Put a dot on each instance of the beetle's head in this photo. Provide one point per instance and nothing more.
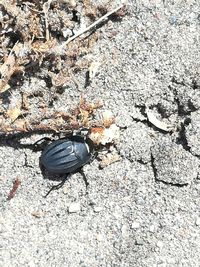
(82, 132)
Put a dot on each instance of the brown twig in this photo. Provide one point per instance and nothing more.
(13, 191)
(46, 7)
(91, 26)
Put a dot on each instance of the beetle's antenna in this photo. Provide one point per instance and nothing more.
(40, 142)
(83, 132)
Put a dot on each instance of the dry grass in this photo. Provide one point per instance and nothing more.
(38, 33)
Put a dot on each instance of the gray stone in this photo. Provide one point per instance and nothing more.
(74, 207)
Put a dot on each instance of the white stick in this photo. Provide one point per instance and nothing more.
(92, 25)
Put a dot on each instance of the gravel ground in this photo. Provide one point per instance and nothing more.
(144, 209)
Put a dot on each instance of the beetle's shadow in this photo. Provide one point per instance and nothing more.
(59, 178)
(52, 176)
(14, 141)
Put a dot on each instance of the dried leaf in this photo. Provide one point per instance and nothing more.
(9, 67)
(59, 79)
(6, 71)
(108, 118)
(11, 8)
(14, 113)
(4, 86)
(104, 135)
(90, 107)
(72, 3)
(157, 123)
(41, 47)
(19, 126)
(13, 191)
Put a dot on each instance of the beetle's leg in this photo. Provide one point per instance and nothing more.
(94, 155)
(39, 143)
(84, 178)
(55, 187)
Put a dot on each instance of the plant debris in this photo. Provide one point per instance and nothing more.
(14, 113)
(106, 131)
(157, 123)
(80, 117)
(13, 191)
(42, 39)
(9, 67)
(37, 214)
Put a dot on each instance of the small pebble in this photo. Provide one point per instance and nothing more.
(139, 242)
(97, 209)
(197, 221)
(152, 228)
(160, 244)
(173, 19)
(67, 33)
(124, 230)
(140, 201)
(74, 207)
(155, 210)
(135, 225)
(99, 237)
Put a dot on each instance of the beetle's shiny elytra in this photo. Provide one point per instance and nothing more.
(67, 155)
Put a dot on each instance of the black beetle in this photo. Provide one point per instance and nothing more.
(68, 155)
